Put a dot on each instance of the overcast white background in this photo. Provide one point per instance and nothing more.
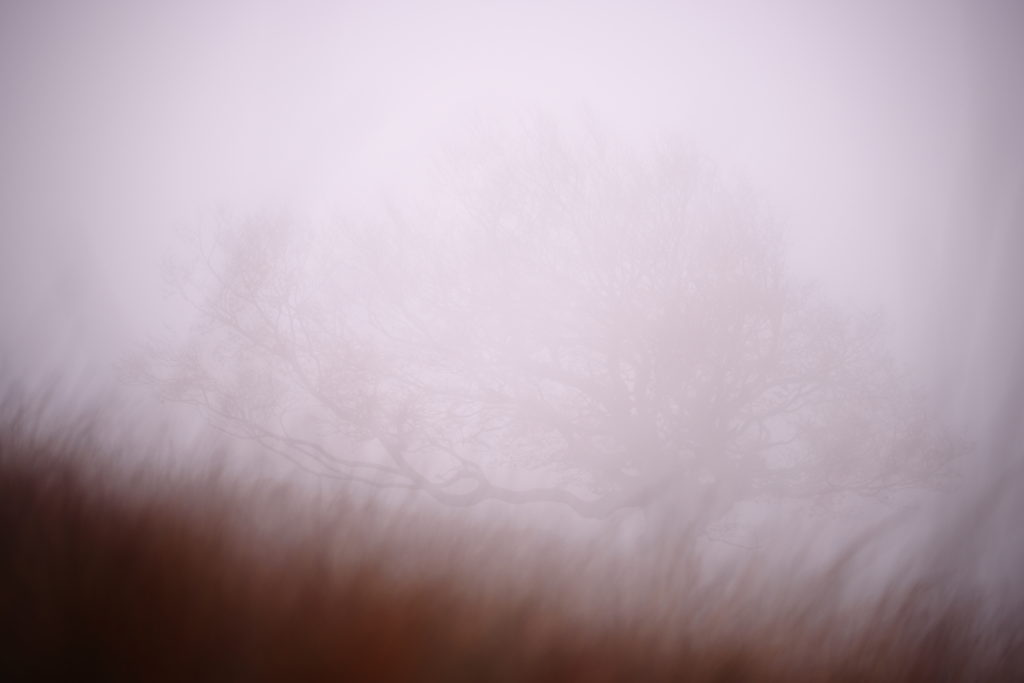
(881, 133)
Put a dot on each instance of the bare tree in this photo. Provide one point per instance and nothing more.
(620, 329)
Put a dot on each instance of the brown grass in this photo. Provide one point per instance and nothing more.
(119, 573)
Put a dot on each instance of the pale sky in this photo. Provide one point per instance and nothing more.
(857, 122)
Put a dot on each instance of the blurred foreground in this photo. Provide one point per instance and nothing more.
(144, 572)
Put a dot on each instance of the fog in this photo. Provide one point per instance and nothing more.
(882, 137)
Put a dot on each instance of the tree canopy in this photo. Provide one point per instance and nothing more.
(564, 322)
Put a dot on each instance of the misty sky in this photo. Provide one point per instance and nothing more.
(867, 127)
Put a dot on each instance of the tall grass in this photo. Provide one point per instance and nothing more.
(114, 570)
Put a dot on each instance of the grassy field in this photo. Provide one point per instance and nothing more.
(145, 572)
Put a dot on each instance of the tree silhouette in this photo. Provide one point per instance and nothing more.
(564, 323)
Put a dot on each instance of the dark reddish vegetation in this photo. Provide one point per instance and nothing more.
(107, 576)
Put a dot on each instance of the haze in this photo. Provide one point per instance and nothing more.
(884, 136)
